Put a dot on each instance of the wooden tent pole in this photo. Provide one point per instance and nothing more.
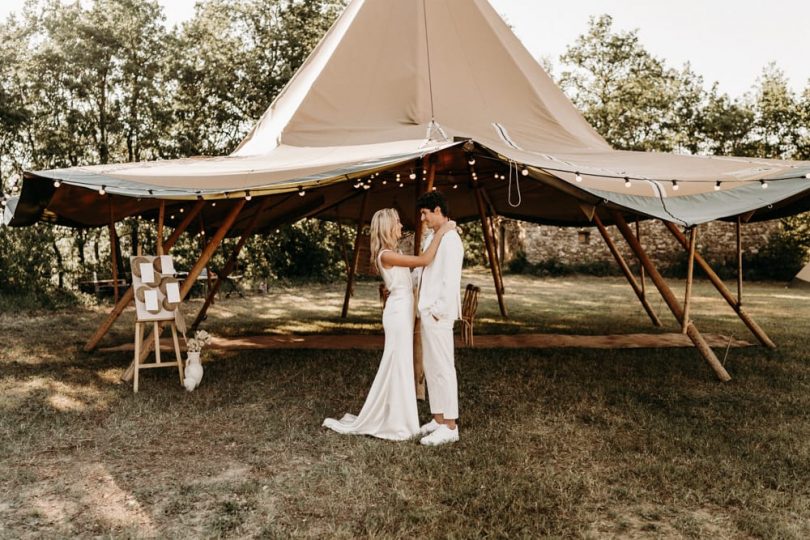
(126, 298)
(355, 257)
(723, 290)
(488, 243)
(672, 302)
(161, 219)
(739, 262)
(231, 263)
(193, 274)
(418, 360)
(690, 273)
(625, 268)
(113, 250)
(642, 278)
(202, 244)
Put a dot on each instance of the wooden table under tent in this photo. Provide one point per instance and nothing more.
(450, 101)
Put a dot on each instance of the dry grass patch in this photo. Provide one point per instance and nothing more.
(566, 443)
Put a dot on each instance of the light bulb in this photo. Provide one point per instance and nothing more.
(103, 190)
(807, 176)
(182, 210)
(525, 172)
(455, 186)
(764, 184)
(56, 183)
(627, 182)
(717, 186)
(401, 184)
(301, 192)
(248, 196)
(412, 176)
(579, 177)
(384, 182)
(471, 161)
(213, 203)
(675, 186)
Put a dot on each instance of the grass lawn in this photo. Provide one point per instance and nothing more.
(556, 442)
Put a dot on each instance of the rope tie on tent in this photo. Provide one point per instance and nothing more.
(514, 172)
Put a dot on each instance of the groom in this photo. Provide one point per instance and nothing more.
(438, 307)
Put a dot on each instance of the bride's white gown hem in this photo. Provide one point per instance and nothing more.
(390, 409)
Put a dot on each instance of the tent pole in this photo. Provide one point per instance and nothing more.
(723, 290)
(672, 302)
(119, 308)
(739, 262)
(418, 361)
(690, 272)
(193, 274)
(355, 257)
(161, 219)
(641, 275)
(202, 246)
(497, 250)
(488, 242)
(625, 268)
(231, 264)
(113, 257)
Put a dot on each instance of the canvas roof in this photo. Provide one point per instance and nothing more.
(394, 85)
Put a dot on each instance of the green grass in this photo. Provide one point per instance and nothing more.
(563, 442)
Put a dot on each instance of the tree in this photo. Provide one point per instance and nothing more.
(628, 95)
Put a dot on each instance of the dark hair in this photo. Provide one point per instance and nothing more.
(431, 200)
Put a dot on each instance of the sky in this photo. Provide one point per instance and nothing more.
(727, 41)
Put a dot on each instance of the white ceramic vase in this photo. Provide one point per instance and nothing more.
(194, 371)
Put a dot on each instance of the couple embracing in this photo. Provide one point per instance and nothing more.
(390, 411)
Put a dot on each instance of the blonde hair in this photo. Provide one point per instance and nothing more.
(383, 224)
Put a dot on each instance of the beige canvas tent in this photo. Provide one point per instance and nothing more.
(401, 97)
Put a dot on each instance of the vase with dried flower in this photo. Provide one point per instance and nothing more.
(194, 369)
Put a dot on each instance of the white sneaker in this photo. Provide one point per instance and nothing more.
(429, 428)
(442, 435)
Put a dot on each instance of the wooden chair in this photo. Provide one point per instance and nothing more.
(469, 306)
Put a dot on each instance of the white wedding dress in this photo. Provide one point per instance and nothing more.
(390, 408)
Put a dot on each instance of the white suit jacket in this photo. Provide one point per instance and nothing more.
(440, 281)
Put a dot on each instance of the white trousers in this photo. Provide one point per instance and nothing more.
(440, 367)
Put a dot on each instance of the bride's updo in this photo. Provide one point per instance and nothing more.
(383, 225)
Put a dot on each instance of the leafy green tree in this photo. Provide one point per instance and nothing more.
(627, 94)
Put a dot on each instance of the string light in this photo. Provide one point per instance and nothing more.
(578, 177)
(675, 186)
(717, 185)
(301, 191)
(525, 172)
(412, 176)
(764, 184)
(56, 183)
(182, 210)
(103, 190)
(471, 161)
(248, 196)
(627, 183)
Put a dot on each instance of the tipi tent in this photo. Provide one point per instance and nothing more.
(407, 95)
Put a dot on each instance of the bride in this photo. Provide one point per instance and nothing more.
(390, 408)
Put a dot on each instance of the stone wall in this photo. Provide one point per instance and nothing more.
(574, 246)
